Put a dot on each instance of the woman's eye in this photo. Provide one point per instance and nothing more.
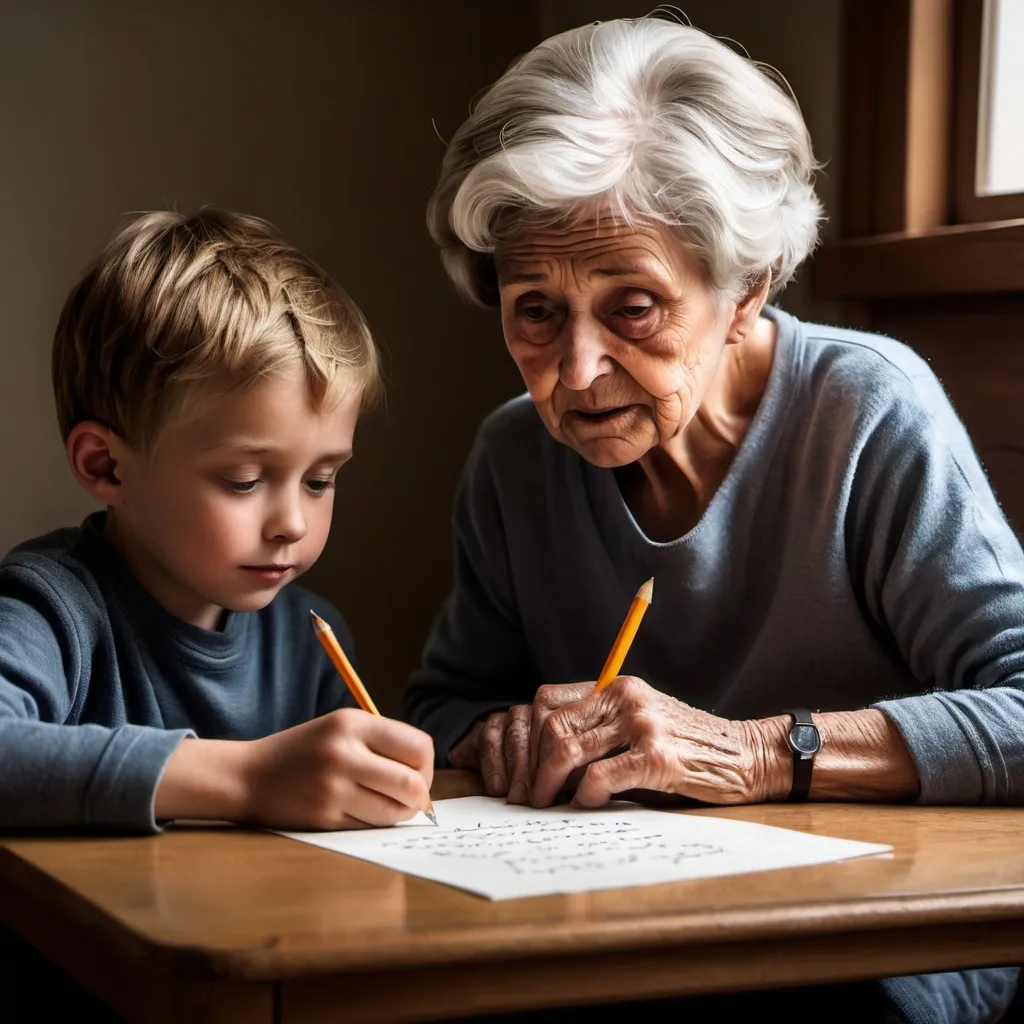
(536, 314)
(242, 486)
(319, 486)
(634, 312)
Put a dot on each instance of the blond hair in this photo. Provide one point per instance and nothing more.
(177, 308)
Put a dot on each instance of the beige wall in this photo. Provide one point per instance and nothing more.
(319, 116)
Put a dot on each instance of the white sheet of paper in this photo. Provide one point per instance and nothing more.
(503, 851)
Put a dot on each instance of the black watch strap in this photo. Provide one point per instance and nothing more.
(804, 742)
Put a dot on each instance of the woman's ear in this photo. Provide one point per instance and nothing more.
(94, 453)
(748, 310)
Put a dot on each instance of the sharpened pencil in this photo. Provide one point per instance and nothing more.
(334, 651)
(617, 655)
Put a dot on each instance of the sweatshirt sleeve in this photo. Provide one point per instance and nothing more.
(476, 659)
(55, 775)
(943, 577)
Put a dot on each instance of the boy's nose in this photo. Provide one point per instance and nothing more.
(288, 525)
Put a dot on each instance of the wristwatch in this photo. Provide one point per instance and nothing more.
(805, 741)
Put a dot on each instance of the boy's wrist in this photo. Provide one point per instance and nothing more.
(205, 779)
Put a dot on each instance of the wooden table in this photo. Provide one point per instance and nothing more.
(224, 924)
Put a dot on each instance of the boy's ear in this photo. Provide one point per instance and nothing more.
(748, 310)
(93, 452)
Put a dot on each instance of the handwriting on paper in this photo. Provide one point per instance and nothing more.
(502, 851)
(549, 846)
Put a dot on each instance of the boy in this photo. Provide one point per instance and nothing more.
(154, 662)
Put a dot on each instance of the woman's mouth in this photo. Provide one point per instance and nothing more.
(601, 415)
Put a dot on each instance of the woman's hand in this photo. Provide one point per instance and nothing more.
(502, 747)
(672, 748)
(633, 739)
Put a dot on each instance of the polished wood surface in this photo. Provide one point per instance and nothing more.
(249, 917)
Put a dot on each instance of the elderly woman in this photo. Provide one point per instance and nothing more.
(839, 603)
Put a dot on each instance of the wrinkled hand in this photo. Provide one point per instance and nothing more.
(503, 748)
(672, 748)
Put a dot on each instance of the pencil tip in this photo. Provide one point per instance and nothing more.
(646, 592)
(432, 817)
(318, 623)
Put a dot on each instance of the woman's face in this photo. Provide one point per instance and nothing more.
(615, 331)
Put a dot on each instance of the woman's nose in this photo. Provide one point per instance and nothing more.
(584, 358)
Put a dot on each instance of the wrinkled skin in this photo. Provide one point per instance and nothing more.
(626, 739)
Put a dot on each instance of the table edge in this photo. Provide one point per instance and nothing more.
(271, 960)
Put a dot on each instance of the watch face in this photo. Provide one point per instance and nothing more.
(804, 739)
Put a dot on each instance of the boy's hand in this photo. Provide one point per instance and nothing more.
(347, 769)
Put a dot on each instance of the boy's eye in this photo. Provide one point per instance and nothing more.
(319, 486)
(242, 486)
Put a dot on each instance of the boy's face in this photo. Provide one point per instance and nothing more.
(237, 500)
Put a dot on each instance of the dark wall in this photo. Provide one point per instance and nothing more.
(322, 117)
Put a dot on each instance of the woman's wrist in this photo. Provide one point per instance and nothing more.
(773, 761)
(863, 757)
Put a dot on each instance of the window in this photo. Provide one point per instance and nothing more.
(933, 192)
(989, 158)
(1000, 166)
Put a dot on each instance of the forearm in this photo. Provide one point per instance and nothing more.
(968, 744)
(205, 779)
(863, 757)
(75, 776)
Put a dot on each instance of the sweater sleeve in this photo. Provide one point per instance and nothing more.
(476, 659)
(55, 775)
(943, 579)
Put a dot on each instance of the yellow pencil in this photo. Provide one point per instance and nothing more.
(334, 651)
(617, 655)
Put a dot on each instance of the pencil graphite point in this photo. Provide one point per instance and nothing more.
(432, 817)
(646, 592)
(318, 624)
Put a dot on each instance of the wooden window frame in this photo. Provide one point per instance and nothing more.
(972, 42)
(910, 136)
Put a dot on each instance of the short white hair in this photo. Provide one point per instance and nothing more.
(648, 119)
